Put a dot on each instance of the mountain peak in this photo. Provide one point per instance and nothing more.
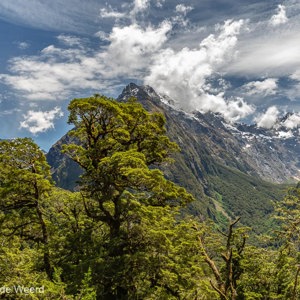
(138, 91)
(145, 94)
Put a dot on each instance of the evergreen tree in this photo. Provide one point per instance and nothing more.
(24, 190)
(120, 146)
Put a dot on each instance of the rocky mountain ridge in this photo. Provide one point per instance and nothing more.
(272, 154)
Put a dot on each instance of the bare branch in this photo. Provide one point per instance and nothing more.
(224, 297)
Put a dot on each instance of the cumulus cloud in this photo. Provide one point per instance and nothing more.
(264, 87)
(141, 52)
(132, 48)
(184, 9)
(292, 121)
(183, 74)
(57, 72)
(134, 51)
(51, 76)
(268, 119)
(280, 17)
(237, 109)
(177, 72)
(39, 121)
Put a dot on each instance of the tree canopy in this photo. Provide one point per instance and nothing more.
(123, 234)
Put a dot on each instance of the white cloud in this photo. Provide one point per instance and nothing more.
(132, 47)
(265, 87)
(272, 54)
(9, 111)
(147, 52)
(111, 13)
(133, 9)
(293, 121)
(57, 72)
(268, 119)
(53, 75)
(269, 51)
(39, 121)
(237, 109)
(159, 3)
(184, 9)
(183, 74)
(101, 35)
(23, 45)
(132, 52)
(296, 75)
(280, 17)
(232, 109)
(140, 6)
(180, 19)
(294, 92)
(69, 40)
(57, 15)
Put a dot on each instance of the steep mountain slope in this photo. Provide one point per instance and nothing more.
(222, 164)
(271, 154)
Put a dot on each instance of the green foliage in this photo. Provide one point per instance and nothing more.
(118, 144)
(287, 212)
(87, 291)
(123, 235)
(24, 187)
(246, 196)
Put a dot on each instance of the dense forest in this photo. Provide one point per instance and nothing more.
(124, 234)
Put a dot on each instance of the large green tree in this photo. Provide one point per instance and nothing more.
(25, 183)
(119, 147)
(44, 231)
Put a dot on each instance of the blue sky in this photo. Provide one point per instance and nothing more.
(240, 58)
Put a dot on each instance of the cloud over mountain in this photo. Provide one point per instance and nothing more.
(183, 74)
(232, 64)
(264, 87)
(269, 118)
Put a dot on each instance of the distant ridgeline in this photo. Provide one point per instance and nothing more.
(231, 169)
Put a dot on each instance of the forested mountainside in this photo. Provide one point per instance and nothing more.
(231, 169)
(129, 232)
